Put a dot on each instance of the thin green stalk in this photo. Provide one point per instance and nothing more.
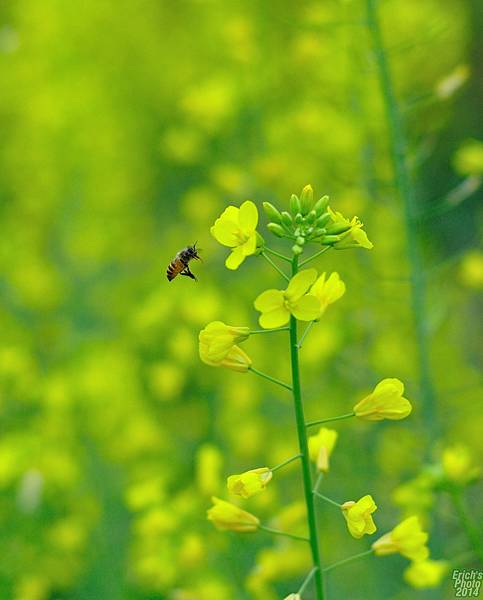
(339, 418)
(317, 254)
(404, 185)
(322, 497)
(467, 523)
(304, 334)
(257, 331)
(347, 560)
(275, 253)
(304, 450)
(285, 462)
(270, 378)
(292, 536)
(318, 481)
(276, 267)
(306, 581)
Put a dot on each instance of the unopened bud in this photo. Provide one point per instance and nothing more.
(296, 249)
(321, 205)
(300, 241)
(272, 213)
(306, 199)
(330, 239)
(323, 220)
(276, 229)
(286, 219)
(294, 205)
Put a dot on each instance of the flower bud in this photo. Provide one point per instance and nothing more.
(307, 199)
(296, 249)
(318, 232)
(321, 205)
(337, 228)
(330, 239)
(311, 217)
(300, 241)
(298, 219)
(295, 206)
(272, 213)
(286, 219)
(323, 220)
(276, 229)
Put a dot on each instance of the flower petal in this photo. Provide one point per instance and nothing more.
(299, 284)
(250, 245)
(274, 318)
(224, 231)
(248, 216)
(306, 309)
(269, 300)
(235, 258)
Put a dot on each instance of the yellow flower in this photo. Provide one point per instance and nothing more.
(355, 237)
(225, 515)
(407, 538)
(321, 446)
(385, 402)
(217, 339)
(426, 573)
(458, 465)
(236, 228)
(249, 483)
(276, 306)
(358, 516)
(328, 291)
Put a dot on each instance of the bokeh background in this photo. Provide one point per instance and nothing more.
(126, 128)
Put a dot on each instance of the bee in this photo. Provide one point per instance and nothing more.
(180, 263)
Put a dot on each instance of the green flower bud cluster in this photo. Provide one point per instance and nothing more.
(307, 221)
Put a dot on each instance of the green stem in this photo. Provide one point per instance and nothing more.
(319, 495)
(285, 462)
(256, 331)
(304, 451)
(339, 418)
(307, 580)
(468, 525)
(403, 182)
(276, 267)
(304, 262)
(283, 533)
(275, 253)
(348, 560)
(270, 378)
(304, 334)
(318, 481)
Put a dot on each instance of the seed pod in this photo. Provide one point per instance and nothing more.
(307, 199)
(297, 249)
(276, 229)
(321, 205)
(272, 213)
(337, 228)
(286, 219)
(322, 220)
(300, 241)
(294, 205)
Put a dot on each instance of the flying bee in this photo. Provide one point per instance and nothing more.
(180, 263)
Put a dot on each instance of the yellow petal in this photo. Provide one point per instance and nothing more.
(224, 231)
(274, 318)
(299, 284)
(250, 245)
(269, 300)
(306, 309)
(248, 216)
(235, 258)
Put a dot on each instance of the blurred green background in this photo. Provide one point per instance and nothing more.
(127, 127)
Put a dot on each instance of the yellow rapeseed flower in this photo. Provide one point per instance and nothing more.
(328, 291)
(321, 446)
(407, 538)
(217, 339)
(385, 402)
(225, 515)
(426, 573)
(358, 516)
(250, 482)
(276, 306)
(236, 228)
(355, 237)
(458, 465)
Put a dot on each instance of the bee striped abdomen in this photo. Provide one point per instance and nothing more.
(175, 268)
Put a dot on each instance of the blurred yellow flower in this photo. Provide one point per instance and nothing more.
(426, 573)
(458, 465)
(471, 270)
(358, 516)
(385, 402)
(217, 339)
(321, 446)
(276, 306)
(407, 538)
(328, 291)
(354, 237)
(225, 515)
(236, 228)
(249, 483)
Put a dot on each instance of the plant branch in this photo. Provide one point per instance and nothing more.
(347, 560)
(276, 267)
(306, 581)
(339, 418)
(270, 378)
(285, 462)
(304, 334)
(275, 253)
(467, 523)
(283, 533)
(317, 254)
(257, 331)
(322, 497)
